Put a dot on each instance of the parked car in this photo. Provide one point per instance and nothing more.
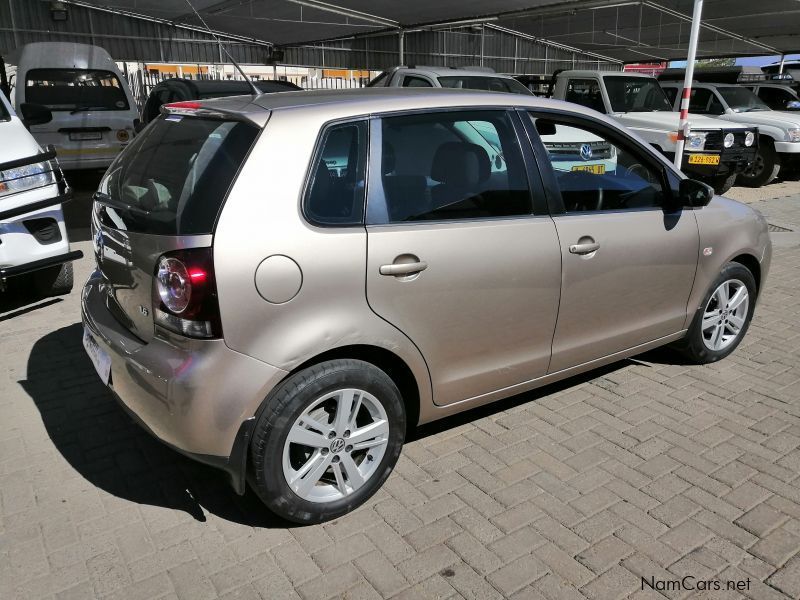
(33, 239)
(779, 132)
(94, 113)
(467, 78)
(715, 152)
(285, 284)
(778, 96)
(178, 90)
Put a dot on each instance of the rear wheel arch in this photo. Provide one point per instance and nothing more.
(387, 361)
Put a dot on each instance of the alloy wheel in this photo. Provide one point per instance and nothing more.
(336, 445)
(725, 315)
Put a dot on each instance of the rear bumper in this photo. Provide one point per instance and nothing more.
(197, 396)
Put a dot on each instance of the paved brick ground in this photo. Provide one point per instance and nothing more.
(647, 468)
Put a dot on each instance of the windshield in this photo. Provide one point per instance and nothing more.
(75, 89)
(477, 82)
(635, 94)
(174, 176)
(741, 99)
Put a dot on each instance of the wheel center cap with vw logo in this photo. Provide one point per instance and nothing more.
(586, 152)
(337, 445)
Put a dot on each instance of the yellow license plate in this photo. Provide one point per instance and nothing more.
(596, 169)
(704, 159)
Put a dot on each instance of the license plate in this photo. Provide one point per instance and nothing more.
(81, 136)
(704, 159)
(99, 357)
(596, 169)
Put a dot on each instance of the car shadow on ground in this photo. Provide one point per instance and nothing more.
(102, 443)
(20, 298)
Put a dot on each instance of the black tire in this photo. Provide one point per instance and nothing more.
(722, 183)
(284, 407)
(54, 281)
(764, 168)
(693, 345)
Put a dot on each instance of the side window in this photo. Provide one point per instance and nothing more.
(595, 172)
(413, 81)
(585, 92)
(452, 165)
(671, 93)
(775, 98)
(703, 101)
(335, 194)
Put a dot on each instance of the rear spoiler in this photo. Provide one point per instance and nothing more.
(63, 196)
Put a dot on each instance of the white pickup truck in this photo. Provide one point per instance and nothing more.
(715, 152)
(779, 131)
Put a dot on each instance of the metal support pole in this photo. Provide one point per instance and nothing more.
(684, 126)
(780, 67)
(483, 32)
(400, 47)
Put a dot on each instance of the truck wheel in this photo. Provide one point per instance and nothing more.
(723, 183)
(54, 281)
(764, 168)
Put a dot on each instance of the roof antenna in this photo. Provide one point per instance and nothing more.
(256, 91)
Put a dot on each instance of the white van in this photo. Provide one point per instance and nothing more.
(94, 113)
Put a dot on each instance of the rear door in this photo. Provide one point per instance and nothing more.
(462, 256)
(163, 193)
(628, 265)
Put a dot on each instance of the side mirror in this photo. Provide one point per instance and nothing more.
(35, 114)
(694, 194)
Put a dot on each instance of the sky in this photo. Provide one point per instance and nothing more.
(748, 61)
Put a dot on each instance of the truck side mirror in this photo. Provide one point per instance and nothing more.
(34, 114)
(694, 194)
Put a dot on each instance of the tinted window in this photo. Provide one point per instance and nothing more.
(635, 94)
(491, 84)
(703, 101)
(70, 89)
(597, 173)
(411, 81)
(452, 165)
(775, 98)
(671, 93)
(336, 193)
(585, 92)
(175, 175)
(4, 115)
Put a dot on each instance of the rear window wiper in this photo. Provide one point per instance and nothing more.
(107, 200)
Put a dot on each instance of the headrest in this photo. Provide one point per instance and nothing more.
(460, 163)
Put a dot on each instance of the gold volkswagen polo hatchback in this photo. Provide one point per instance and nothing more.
(287, 283)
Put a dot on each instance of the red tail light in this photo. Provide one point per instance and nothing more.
(185, 293)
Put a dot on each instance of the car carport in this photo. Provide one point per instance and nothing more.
(646, 478)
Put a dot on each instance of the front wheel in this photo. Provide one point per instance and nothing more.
(721, 323)
(327, 439)
(764, 168)
(54, 281)
(722, 183)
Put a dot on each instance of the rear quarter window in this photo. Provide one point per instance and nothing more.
(174, 177)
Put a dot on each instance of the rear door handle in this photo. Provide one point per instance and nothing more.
(403, 268)
(584, 248)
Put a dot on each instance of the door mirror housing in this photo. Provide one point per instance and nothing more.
(34, 114)
(694, 194)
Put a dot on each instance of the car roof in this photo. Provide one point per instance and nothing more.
(452, 71)
(590, 73)
(369, 101)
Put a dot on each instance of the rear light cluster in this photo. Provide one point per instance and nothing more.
(185, 294)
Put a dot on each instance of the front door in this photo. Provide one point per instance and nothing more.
(458, 259)
(628, 265)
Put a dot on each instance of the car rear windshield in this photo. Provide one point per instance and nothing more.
(75, 89)
(476, 82)
(175, 175)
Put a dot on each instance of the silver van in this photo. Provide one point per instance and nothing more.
(287, 283)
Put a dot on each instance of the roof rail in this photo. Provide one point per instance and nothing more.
(477, 68)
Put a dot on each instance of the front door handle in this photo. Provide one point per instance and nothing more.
(403, 268)
(587, 248)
